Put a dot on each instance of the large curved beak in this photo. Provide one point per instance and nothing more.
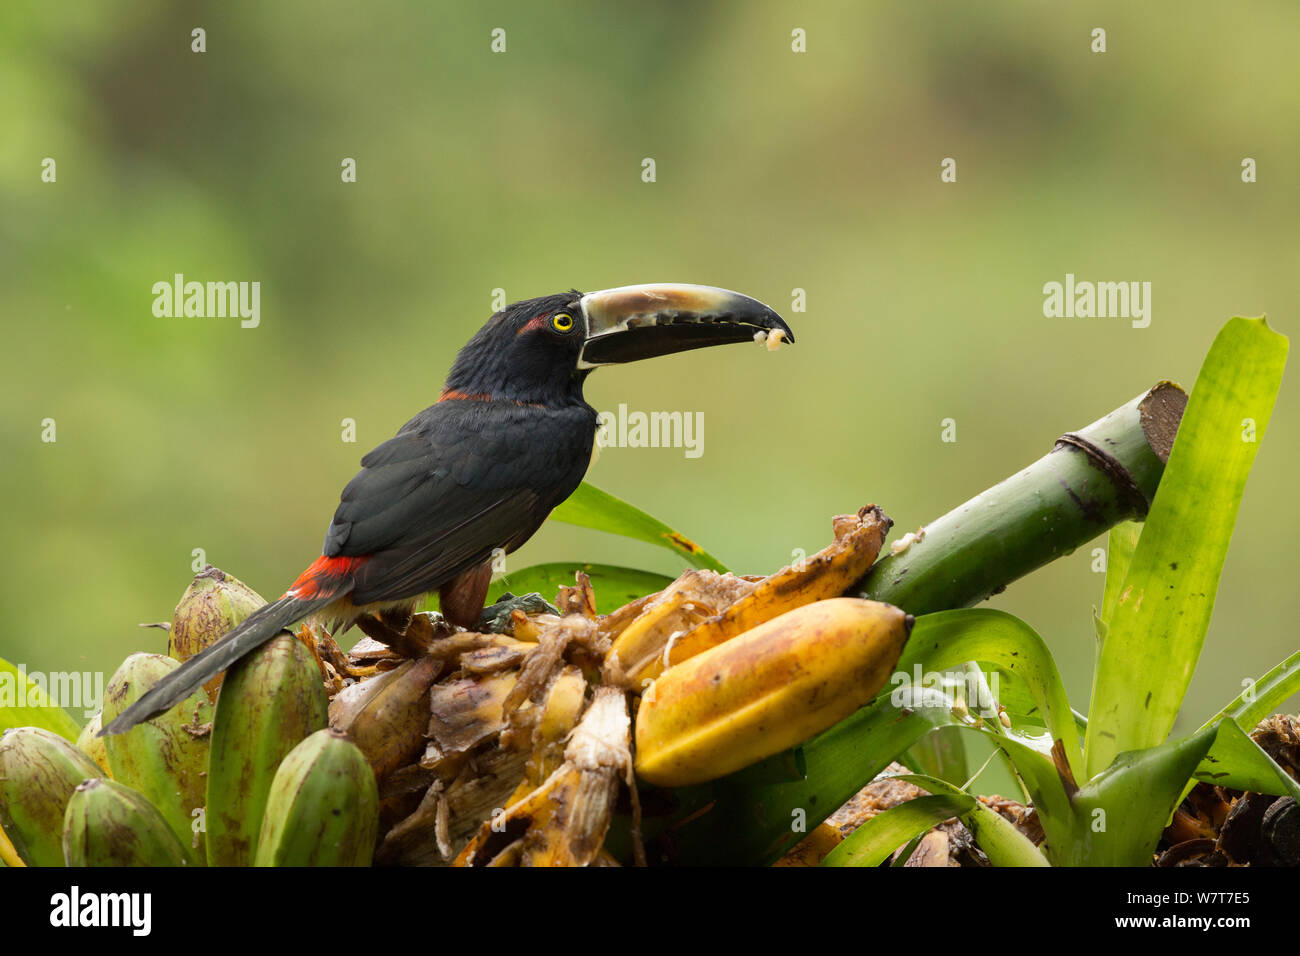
(642, 321)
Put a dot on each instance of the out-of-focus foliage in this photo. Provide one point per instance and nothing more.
(522, 171)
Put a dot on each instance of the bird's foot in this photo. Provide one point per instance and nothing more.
(495, 618)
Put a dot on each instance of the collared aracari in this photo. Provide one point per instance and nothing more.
(509, 438)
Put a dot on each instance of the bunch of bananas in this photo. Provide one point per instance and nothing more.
(258, 779)
(508, 747)
(529, 737)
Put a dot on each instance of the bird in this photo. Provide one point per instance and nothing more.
(477, 473)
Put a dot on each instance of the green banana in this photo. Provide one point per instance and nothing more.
(92, 745)
(210, 607)
(165, 758)
(38, 772)
(323, 808)
(270, 701)
(109, 824)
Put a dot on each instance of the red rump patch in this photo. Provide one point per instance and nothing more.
(316, 581)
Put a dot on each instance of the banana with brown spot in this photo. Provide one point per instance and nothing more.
(767, 690)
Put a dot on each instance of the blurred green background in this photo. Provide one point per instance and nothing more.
(522, 170)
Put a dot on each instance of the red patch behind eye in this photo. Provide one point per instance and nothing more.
(531, 324)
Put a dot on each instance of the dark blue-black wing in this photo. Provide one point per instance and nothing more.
(460, 480)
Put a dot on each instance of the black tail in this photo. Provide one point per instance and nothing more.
(258, 628)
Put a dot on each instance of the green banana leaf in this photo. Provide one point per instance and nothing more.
(1143, 787)
(1245, 766)
(1238, 762)
(1140, 790)
(24, 704)
(873, 842)
(614, 586)
(1121, 812)
(1046, 791)
(1015, 696)
(1001, 842)
(941, 754)
(1263, 697)
(1121, 542)
(590, 507)
(1135, 796)
(1155, 633)
(947, 639)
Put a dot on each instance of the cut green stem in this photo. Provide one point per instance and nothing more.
(1091, 480)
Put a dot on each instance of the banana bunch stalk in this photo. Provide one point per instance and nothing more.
(495, 725)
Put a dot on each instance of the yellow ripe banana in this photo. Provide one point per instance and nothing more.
(636, 656)
(8, 855)
(767, 690)
(559, 714)
(813, 848)
(646, 648)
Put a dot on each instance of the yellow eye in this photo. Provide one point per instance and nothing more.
(562, 322)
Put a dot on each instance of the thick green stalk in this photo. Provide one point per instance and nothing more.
(1092, 479)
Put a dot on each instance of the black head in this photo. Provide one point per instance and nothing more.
(527, 352)
(541, 350)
